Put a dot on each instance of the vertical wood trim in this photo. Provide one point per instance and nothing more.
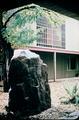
(54, 66)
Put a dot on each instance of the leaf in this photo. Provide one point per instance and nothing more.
(18, 30)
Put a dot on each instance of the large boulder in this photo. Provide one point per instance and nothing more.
(28, 82)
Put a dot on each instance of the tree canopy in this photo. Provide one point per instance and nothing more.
(19, 24)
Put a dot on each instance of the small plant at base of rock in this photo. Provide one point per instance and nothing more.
(73, 93)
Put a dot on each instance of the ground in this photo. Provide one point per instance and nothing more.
(57, 109)
(58, 91)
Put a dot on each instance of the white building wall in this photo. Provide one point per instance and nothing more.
(72, 34)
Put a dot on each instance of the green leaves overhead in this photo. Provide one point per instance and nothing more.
(20, 23)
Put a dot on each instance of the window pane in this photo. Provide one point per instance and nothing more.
(73, 63)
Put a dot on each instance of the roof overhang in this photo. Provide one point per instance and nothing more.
(69, 8)
(52, 50)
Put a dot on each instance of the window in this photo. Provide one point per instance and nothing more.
(42, 39)
(50, 35)
(72, 63)
(59, 36)
(45, 33)
(63, 35)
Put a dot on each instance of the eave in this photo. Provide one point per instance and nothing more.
(52, 50)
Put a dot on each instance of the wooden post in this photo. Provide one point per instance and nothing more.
(54, 66)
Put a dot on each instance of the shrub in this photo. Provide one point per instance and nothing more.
(73, 93)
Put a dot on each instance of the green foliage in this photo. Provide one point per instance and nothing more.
(73, 92)
(18, 23)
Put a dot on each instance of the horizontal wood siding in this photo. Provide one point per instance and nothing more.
(61, 65)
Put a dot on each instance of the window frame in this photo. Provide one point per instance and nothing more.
(69, 60)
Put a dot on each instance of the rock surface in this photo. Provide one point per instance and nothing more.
(49, 114)
(28, 83)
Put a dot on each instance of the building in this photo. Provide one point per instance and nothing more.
(59, 48)
(61, 7)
